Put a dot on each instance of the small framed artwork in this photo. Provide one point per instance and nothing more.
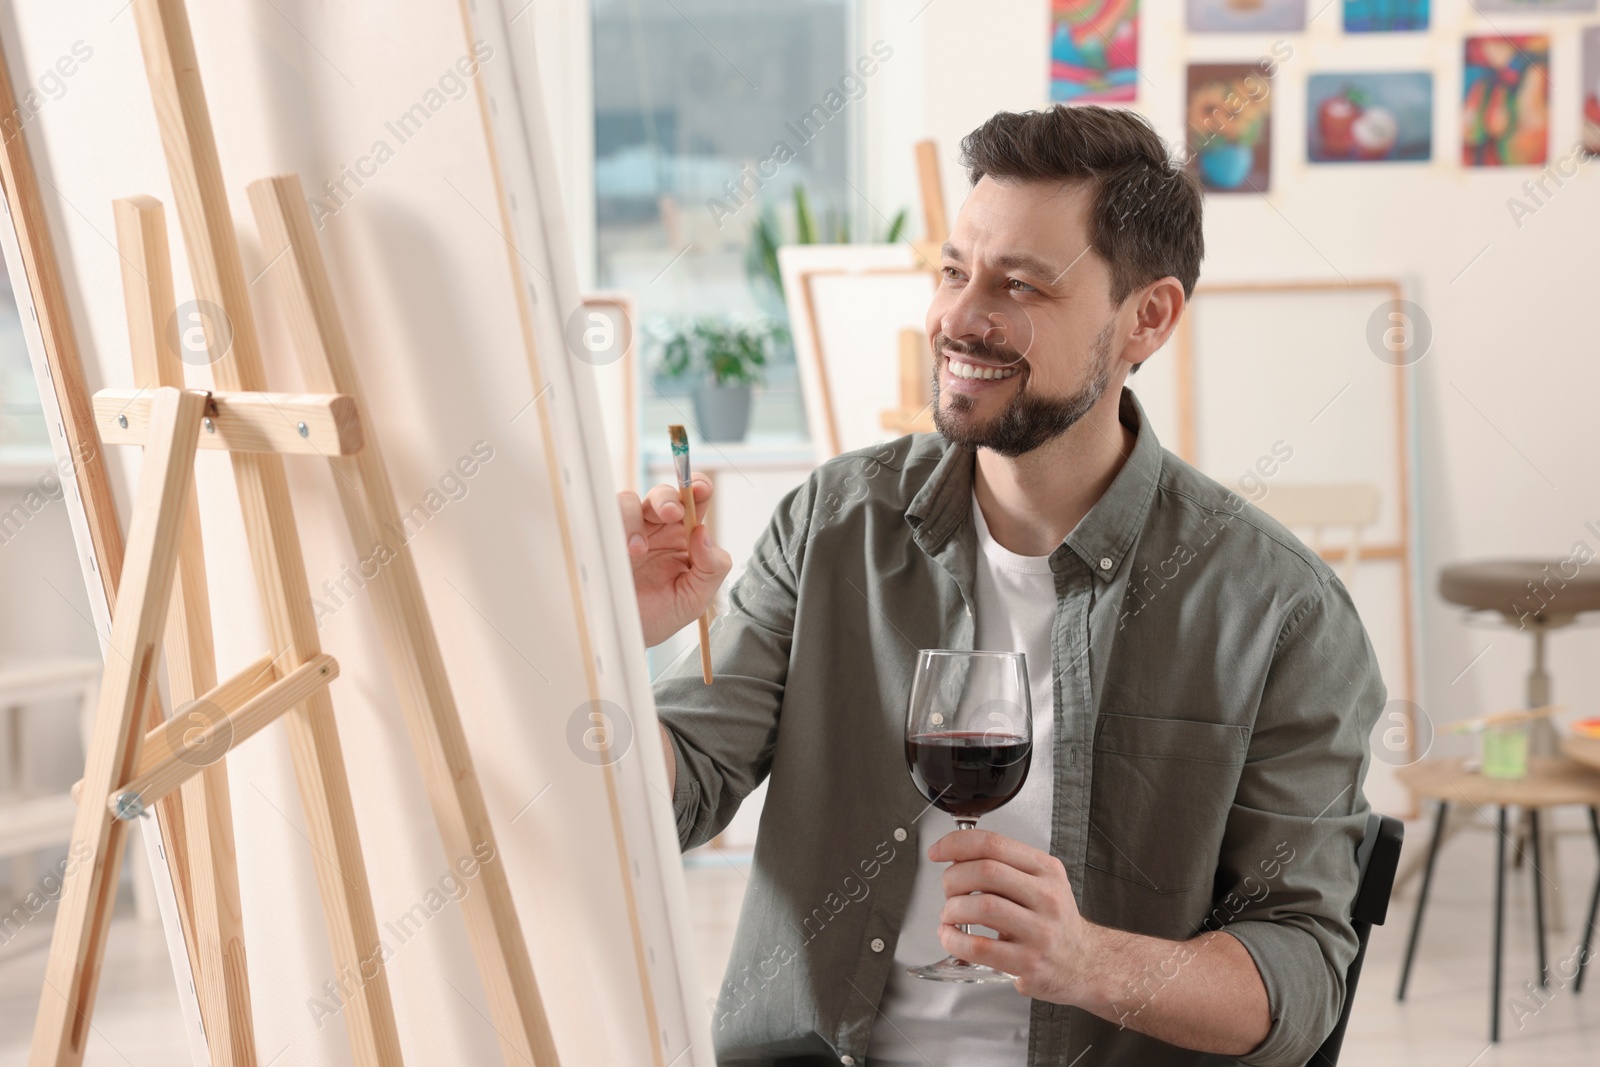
(1230, 126)
(1385, 16)
(1591, 90)
(1369, 117)
(1246, 16)
(1534, 5)
(1505, 103)
(1094, 50)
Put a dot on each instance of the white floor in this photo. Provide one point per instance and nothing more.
(1444, 1022)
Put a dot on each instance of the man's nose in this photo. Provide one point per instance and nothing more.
(987, 323)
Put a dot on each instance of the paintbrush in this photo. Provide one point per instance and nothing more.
(1501, 718)
(680, 463)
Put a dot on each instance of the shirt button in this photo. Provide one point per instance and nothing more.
(899, 834)
(877, 944)
(847, 1060)
(1105, 563)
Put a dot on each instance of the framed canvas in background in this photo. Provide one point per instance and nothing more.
(847, 306)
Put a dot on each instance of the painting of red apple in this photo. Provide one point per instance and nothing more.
(1369, 117)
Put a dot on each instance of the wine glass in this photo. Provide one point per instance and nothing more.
(969, 740)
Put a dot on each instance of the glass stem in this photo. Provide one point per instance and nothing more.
(965, 824)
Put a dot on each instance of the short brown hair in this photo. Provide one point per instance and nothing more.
(1145, 212)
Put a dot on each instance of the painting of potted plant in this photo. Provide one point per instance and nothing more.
(721, 360)
(1229, 124)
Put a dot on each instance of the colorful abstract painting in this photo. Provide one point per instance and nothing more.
(1505, 110)
(1369, 117)
(1094, 50)
(1229, 120)
(1591, 90)
(1385, 16)
(1246, 16)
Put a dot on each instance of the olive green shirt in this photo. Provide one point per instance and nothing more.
(1214, 690)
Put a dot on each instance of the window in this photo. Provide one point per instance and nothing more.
(693, 99)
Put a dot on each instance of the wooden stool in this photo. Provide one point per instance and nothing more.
(1551, 781)
(1533, 595)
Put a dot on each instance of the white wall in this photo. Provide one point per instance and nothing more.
(1506, 442)
(1506, 398)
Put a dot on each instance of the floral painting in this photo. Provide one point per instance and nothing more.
(1094, 50)
(1230, 126)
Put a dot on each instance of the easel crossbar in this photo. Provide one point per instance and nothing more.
(204, 735)
(286, 423)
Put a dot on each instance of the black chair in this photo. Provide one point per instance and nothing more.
(1377, 859)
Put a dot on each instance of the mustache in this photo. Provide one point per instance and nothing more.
(1002, 355)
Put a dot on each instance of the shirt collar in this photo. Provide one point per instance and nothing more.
(1104, 536)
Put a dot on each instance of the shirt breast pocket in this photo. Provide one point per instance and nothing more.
(1160, 797)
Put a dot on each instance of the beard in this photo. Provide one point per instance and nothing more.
(1028, 420)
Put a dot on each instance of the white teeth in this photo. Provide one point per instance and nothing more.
(972, 370)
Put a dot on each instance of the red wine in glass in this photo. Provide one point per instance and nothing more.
(968, 773)
(969, 741)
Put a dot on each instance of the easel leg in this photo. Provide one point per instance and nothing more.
(263, 490)
(95, 855)
(215, 927)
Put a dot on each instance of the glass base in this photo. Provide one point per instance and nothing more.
(951, 969)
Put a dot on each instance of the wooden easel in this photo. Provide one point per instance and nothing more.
(137, 759)
(916, 362)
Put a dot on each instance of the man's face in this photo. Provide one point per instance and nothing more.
(1022, 326)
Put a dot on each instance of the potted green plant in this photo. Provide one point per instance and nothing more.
(722, 359)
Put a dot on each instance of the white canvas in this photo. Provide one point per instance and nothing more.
(456, 314)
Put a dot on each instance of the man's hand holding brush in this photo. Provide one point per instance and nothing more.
(675, 575)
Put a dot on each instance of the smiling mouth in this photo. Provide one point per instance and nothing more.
(960, 368)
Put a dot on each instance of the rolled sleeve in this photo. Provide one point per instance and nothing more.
(723, 734)
(1289, 851)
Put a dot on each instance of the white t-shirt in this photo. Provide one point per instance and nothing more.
(949, 1024)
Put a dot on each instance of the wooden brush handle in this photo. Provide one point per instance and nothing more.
(690, 521)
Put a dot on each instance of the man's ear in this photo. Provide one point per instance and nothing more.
(1157, 308)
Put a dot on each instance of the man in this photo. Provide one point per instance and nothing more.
(1173, 884)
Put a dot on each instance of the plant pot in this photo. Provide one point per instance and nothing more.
(1226, 165)
(723, 411)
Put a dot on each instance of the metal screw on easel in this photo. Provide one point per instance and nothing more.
(209, 424)
(128, 806)
(305, 431)
(122, 420)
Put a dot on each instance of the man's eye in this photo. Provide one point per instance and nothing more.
(1020, 286)
(950, 273)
